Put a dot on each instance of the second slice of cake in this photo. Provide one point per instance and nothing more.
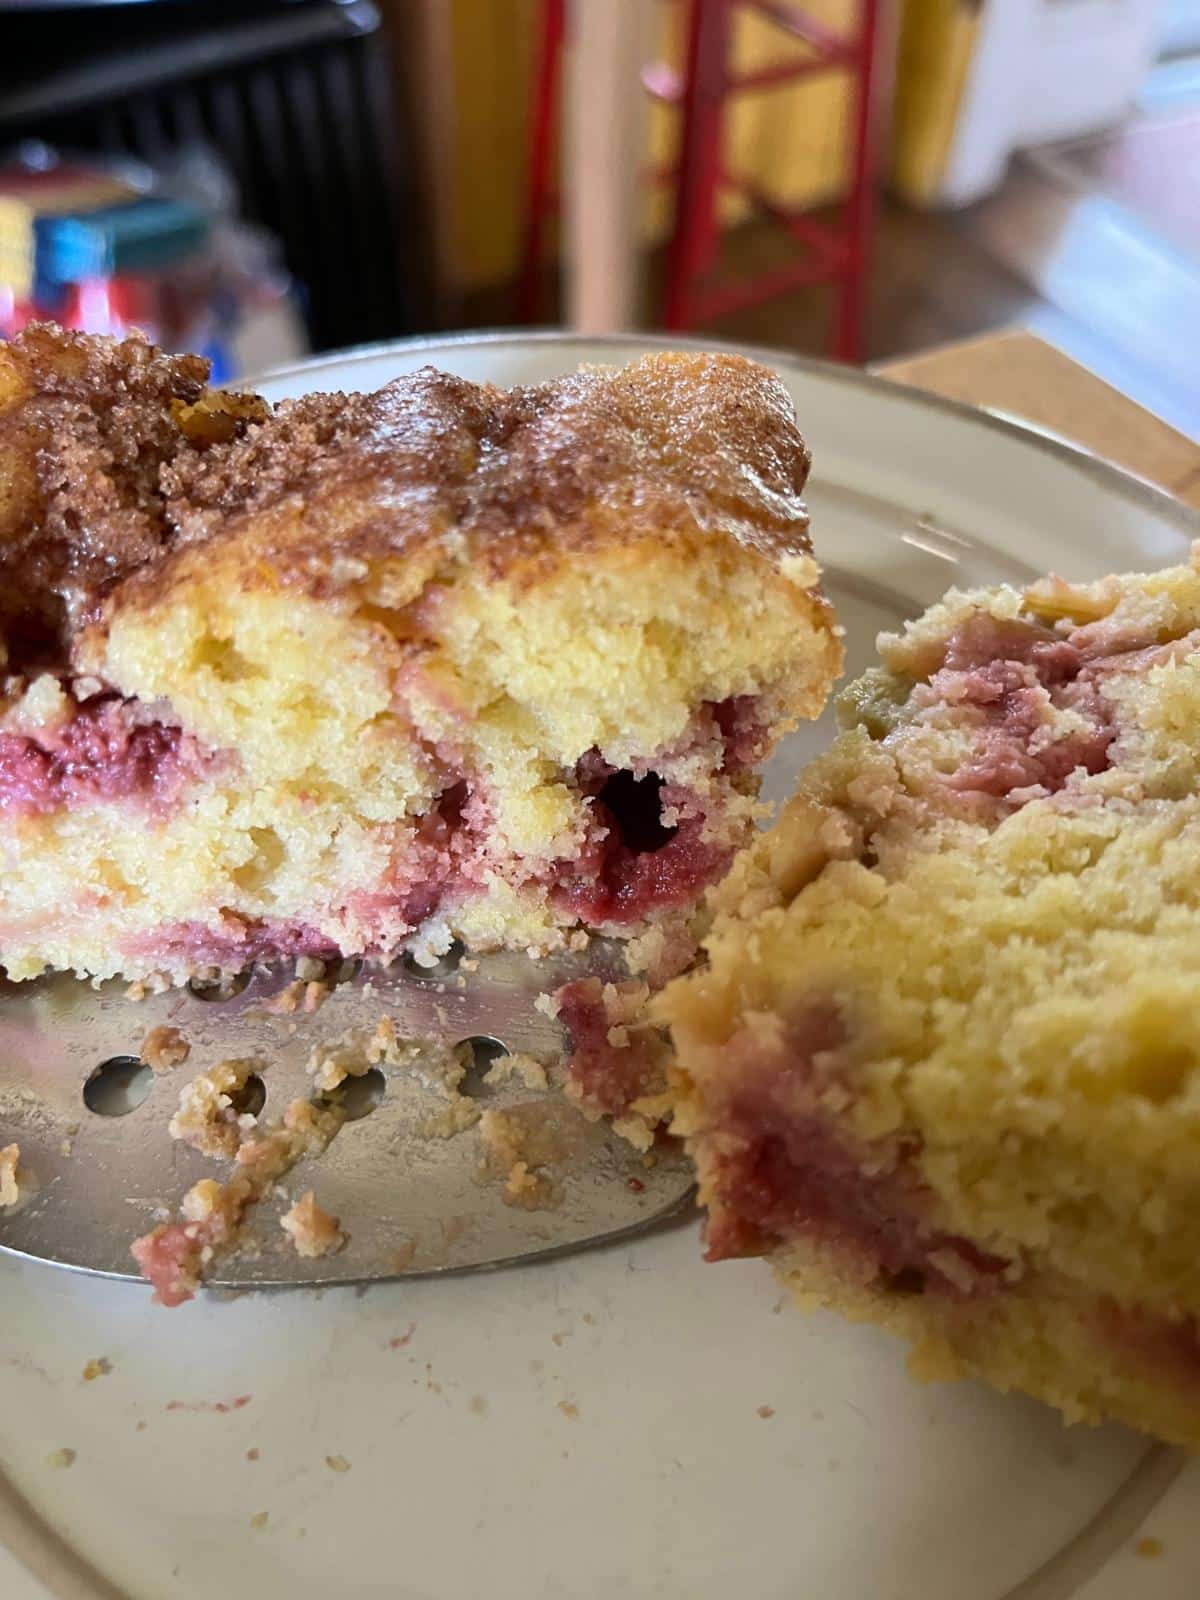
(944, 1064)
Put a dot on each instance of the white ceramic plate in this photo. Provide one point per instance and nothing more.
(629, 1422)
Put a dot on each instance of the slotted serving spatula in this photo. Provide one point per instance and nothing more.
(92, 1125)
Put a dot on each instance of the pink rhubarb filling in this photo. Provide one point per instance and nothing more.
(1010, 678)
(781, 1167)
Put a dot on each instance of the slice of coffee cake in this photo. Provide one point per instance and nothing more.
(374, 672)
(944, 1066)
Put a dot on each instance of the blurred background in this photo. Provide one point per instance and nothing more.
(257, 179)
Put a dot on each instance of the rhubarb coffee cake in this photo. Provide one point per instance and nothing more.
(943, 1066)
(368, 673)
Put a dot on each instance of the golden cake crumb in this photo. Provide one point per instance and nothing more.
(164, 1048)
(207, 1118)
(569, 1410)
(10, 1175)
(527, 1068)
(64, 1457)
(99, 1367)
(302, 994)
(1150, 1548)
(259, 1519)
(176, 1255)
(765, 1412)
(313, 1232)
(520, 1145)
(337, 1463)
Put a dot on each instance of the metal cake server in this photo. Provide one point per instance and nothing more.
(91, 1123)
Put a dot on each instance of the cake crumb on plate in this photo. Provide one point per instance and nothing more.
(16, 1180)
(65, 1457)
(164, 1048)
(98, 1367)
(313, 1231)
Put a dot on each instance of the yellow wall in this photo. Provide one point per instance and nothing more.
(788, 140)
(937, 42)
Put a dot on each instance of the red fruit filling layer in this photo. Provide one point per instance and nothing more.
(780, 1168)
(634, 863)
(647, 850)
(648, 844)
(110, 749)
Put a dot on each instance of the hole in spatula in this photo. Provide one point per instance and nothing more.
(482, 1053)
(358, 1097)
(344, 971)
(117, 1086)
(249, 1100)
(223, 988)
(444, 967)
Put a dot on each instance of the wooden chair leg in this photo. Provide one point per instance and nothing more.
(693, 241)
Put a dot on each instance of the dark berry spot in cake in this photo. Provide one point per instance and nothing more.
(743, 731)
(1166, 1344)
(633, 808)
(231, 947)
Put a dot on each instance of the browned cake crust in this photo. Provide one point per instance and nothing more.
(86, 426)
(434, 469)
(122, 475)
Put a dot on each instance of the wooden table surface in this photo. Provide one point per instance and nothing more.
(1018, 373)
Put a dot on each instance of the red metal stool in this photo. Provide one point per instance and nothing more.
(834, 252)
